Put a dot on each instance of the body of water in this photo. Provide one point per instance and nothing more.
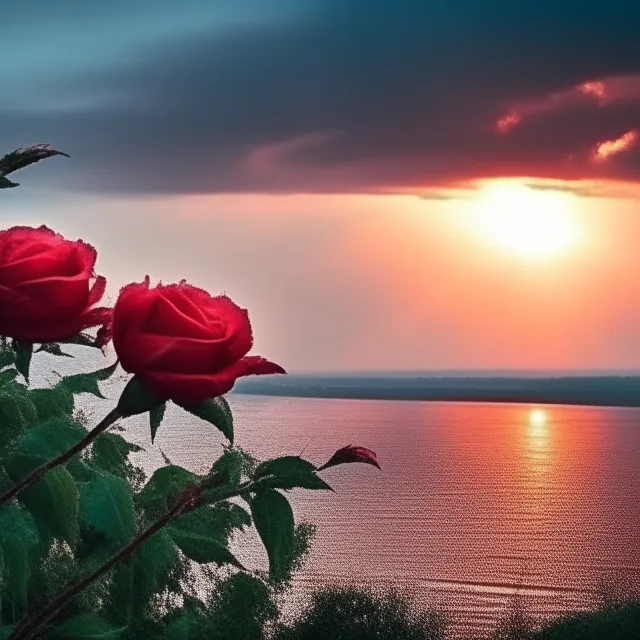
(476, 504)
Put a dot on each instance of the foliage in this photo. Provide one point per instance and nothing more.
(621, 622)
(21, 158)
(77, 515)
(617, 616)
(347, 613)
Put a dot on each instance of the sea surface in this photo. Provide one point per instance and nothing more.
(478, 507)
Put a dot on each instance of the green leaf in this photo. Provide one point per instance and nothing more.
(145, 575)
(80, 470)
(216, 411)
(137, 398)
(17, 387)
(164, 487)
(289, 472)
(18, 542)
(7, 376)
(27, 407)
(202, 535)
(54, 402)
(106, 506)
(273, 518)
(87, 626)
(7, 356)
(110, 452)
(88, 382)
(23, 350)
(155, 418)
(82, 339)
(185, 627)
(49, 439)
(53, 500)
(5, 183)
(229, 466)
(54, 349)
(21, 158)
(17, 414)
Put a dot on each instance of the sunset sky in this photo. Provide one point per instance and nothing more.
(385, 185)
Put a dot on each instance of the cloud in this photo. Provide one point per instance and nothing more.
(609, 148)
(321, 96)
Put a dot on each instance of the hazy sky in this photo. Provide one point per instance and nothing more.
(319, 161)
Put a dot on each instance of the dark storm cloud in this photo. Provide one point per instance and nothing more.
(324, 95)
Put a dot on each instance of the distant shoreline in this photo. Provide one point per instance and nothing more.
(585, 390)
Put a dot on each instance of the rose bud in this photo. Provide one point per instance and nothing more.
(46, 293)
(184, 344)
(351, 454)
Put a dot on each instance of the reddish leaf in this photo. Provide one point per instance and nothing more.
(351, 453)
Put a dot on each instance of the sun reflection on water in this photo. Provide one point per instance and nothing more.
(537, 452)
(538, 422)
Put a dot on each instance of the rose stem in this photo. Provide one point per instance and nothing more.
(38, 472)
(30, 625)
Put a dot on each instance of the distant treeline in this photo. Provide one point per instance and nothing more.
(602, 391)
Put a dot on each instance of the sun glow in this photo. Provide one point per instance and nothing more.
(537, 418)
(538, 426)
(527, 221)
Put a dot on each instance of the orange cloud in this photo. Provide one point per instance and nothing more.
(605, 91)
(604, 150)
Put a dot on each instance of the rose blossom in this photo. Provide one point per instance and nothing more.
(183, 343)
(45, 287)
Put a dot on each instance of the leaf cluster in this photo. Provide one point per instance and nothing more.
(78, 515)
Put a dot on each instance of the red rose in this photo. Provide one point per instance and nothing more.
(184, 344)
(45, 292)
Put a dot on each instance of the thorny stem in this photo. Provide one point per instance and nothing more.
(32, 624)
(38, 472)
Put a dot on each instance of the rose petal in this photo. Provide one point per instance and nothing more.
(130, 312)
(190, 388)
(190, 300)
(169, 320)
(60, 262)
(23, 317)
(178, 355)
(97, 291)
(58, 296)
(25, 240)
(237, 326)
(98, 316)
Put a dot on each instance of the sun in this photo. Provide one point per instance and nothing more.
(526, 221)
